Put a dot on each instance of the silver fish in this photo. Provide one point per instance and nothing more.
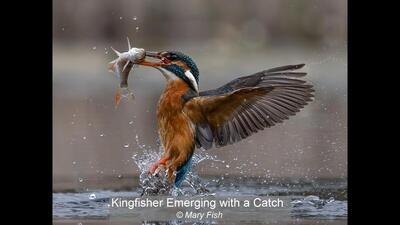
(122, 67)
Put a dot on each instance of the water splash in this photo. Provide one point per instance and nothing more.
(158, 184)
(312, 200)
(313, 206)
(92, 196)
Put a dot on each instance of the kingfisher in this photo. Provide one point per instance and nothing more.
(188, 118)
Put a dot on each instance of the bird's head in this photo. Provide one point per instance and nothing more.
(174, 64)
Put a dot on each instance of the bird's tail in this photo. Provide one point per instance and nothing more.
(182, 171)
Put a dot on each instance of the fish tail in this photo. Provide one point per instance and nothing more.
(117, 98)
(123, 92)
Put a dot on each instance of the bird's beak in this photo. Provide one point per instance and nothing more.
(153, 55)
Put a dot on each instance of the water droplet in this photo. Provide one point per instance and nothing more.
(73, 163)
(94, 47)
(120, 18)
(135, 18)
(62, 28)
(126, 145)
(137, 28)
(80, 180)
(130, 122)
(101, 135)
(119, 176)
(92, 196)
(331, 199)
(84, 137)
(227, 166)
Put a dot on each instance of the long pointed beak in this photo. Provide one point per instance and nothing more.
(153, 54)
(152, 64)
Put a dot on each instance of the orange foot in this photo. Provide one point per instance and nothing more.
(155, 166)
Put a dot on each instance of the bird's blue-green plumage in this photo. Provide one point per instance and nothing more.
(180, 71)
(182, 171)
(189, 62)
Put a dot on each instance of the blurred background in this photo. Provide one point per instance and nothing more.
(93, 143)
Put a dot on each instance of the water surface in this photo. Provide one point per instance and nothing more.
(318, 202)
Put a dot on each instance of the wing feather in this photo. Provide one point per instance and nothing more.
(248, 104)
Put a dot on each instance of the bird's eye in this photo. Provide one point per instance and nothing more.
(165, 60)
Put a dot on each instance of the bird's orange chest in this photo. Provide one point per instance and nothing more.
(175, 128)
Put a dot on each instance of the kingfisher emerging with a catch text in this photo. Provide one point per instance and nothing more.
(188, 118)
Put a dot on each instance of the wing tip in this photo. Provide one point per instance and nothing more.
(286, 68)
(299, 66)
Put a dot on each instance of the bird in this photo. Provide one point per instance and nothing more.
(189, 119)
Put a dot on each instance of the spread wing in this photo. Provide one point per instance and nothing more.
(247, 104)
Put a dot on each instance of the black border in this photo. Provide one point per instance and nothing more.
(27, 123)
(27, 86)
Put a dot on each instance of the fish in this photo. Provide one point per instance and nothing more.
(122, 66)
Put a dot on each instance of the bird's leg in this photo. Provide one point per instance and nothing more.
(173, 166)
(170, 173)
(155, 166)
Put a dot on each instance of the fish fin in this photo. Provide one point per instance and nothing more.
(121, 93)
(129, 43)
(116, 52)
(127, 93)
(126, 64)
(117, 98)
(112, 66)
